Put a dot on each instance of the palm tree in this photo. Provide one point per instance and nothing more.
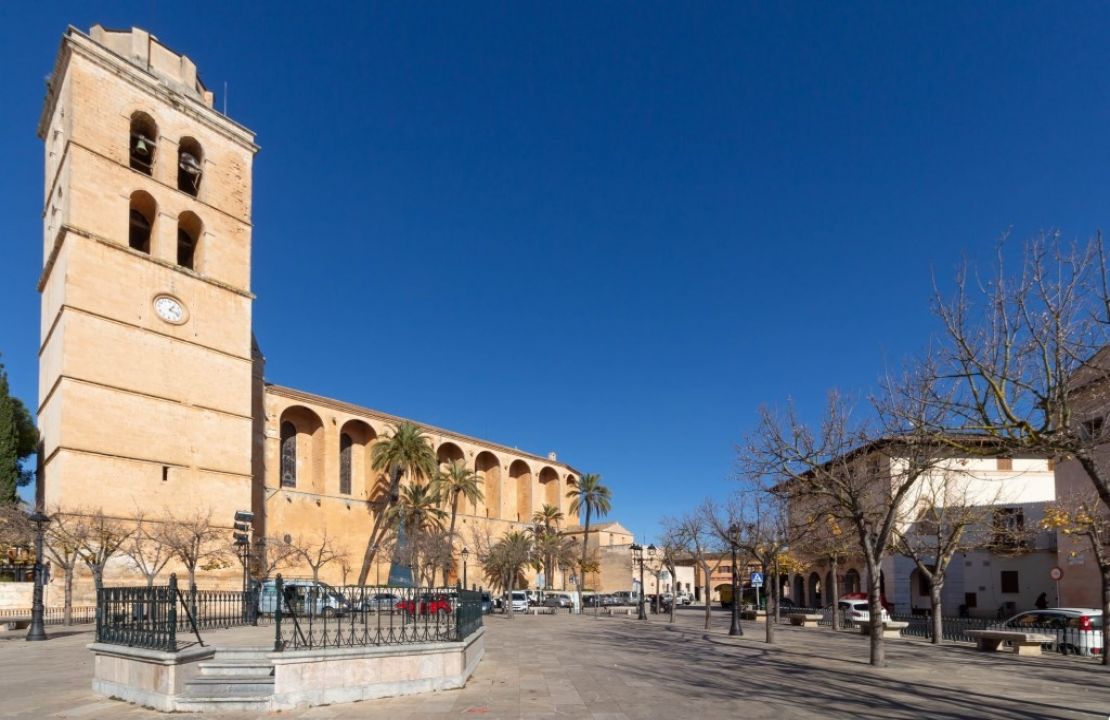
(593, 498)
(505, 562)
(455, 482)
(417, 510)
(404, 450)
(549, 516)
(553, 549)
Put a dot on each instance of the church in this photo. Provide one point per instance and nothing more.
(152, 392)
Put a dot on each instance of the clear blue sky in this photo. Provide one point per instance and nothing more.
(610, 230)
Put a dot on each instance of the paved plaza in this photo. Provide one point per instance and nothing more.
(618, 669)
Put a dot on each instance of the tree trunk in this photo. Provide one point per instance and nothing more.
(771, 615)
(834, 594)
(875, 605)
(586, 550)
(149, 581)
(450, 543)
(937, 619)
(67, 611)
(1105, 614)
(374, 540)
(705, 595)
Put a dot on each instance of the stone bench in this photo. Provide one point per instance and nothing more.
(892, 629)
(805, 619)
(757, 615)
(619, 611)
(1024, 643)
(542, 610)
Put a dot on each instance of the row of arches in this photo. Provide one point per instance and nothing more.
(142, 151)
(510, 492)
(142, 217)
(815, 590)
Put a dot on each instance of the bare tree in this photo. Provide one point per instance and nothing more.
(317, 551)
(857, 472)
(15, 529)
(1026, 352)
(64, 537)
(765, 534)
(102, 540)
(196, 543)
(671, 551)
(693, 533)
(147, 549)
(271, 554)
(952, 514)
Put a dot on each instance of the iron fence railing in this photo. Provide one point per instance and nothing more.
(311, 615)
(305, 614)
(81, 614)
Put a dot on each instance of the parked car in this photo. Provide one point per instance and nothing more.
(625, 597)
(855, 610)
(559, 600)
(519, 600)
(428, 604)
(1077, 631)
(379, 601)
(683, 598)
(302, 597)
(533, 597)
(487, 603)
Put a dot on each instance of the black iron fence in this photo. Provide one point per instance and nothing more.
(311, 615)
(305, 614)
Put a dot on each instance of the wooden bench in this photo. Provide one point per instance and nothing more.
(1023, 643)
(805, 619)
(892, 629)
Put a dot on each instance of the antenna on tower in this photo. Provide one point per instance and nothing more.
(225, 97)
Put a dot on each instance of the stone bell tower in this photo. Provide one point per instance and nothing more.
(145, 354)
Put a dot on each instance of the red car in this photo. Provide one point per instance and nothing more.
(427, 605)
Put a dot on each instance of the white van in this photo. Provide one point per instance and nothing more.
(304, 596)
(520, 601)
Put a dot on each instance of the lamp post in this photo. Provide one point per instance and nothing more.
(734, 628)
(638, 557)
(465, 554)
(37, 632)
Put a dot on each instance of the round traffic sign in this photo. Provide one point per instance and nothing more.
(1056, 573)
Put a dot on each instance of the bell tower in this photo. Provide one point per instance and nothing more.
(145, 352)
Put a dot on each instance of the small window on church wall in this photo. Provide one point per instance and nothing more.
(141, 221)
(190, 161)
(142, 142)
(345, 464)
(288, 455)
(188, 236)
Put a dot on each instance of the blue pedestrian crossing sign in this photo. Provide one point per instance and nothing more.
(757, 579)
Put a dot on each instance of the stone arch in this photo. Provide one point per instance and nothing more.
(799, 590)
(142, 211)
(549, 486)
(520, 476)
(488, 468)
(355, 439)
(190, 166)
(189, 231)
(852, 582)
(570, 484)
(815, 600)
(447, 454)
(142, 143)
(303, 430)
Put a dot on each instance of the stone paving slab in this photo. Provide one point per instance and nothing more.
(622, 669)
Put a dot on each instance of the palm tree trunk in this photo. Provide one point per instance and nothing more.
(451, 537)
(585, 551)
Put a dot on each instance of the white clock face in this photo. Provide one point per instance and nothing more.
(170, 309)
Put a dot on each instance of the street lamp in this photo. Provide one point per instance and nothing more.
(734, 628)
(640, 554)
(241, 534)
(465, 554)
(37, 632)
